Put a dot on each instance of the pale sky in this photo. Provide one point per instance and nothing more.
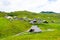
(30, 5)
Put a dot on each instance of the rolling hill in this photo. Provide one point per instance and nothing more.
(10, 28)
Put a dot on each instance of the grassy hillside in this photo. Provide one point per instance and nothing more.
(10, 28)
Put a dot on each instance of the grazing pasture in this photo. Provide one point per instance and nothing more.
(50, 30)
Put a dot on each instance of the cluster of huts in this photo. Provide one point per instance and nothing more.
(34, 28)
(35, 21)
(31, 21)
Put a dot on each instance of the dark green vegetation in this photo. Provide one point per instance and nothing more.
(10, 28)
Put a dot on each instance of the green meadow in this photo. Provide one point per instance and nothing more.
(8, 29)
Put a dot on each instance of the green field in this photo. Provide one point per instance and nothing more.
(8, 29)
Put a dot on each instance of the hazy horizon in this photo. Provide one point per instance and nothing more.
(30, 5)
